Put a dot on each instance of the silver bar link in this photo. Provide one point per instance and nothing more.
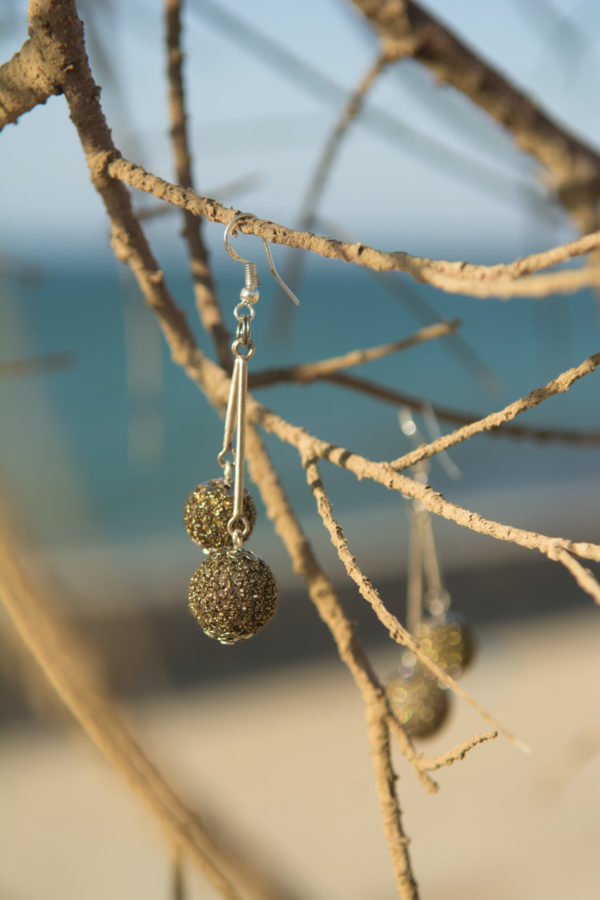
(241, 364)
(230, 417)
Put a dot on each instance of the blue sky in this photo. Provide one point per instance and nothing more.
(250, 120)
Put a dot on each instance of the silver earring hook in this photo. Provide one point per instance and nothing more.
(250, 267)
(277, 277)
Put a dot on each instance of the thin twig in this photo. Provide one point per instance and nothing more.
(457, 753)
(314, 191)
(307, 372)
(558, 385)
(430, 150)
(398, 398)
(584, 577)
(350, 112)
(573, 166)
(327, 603)
(39, 365)
(204, 287)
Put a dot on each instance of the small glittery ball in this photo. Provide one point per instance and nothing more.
(207, 511)
(449, 643)
(419, 703)
(232, 595)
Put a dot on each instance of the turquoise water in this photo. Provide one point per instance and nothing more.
(107, 449)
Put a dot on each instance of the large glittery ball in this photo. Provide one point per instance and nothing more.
(419, 703)
(209, 508)
(449, 643)
(232, 594)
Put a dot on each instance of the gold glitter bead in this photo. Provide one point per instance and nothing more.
(449, 643)
(207, 511)
(232, 595)
(419, 703)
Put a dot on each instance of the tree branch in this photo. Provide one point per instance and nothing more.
(314, 191)
(558, 385)
(327, 603)
(455, 277)
(307, 372)
(397, 398)
(573, 166)
(24, 80)
(204, 287)
(457, 753)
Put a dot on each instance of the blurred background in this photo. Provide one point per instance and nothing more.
(103, 438)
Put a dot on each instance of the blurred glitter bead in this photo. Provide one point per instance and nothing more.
(419, 703)
(232, 595)
(449, 643)
(207, 511)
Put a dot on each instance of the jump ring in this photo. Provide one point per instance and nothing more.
(239, 343)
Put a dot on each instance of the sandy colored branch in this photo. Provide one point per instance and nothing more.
(558, 385)
(333, 144)
(329, 608)
(202, 280)
(39, 365)
(394, 628)
(314, 191)
(395, 130)
(62, 658)
(398, 398)
(304, 374)
(584, 577)
(26, 80)
(456, 277)
(457, 753)
(573, 166)
(307, 372)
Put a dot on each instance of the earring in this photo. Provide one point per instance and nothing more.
(419, 702)
(233, 592)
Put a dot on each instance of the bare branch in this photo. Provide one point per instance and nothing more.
(584, 577)
(457, 753)
(428, 149)
(52, 362)
(573, 166)
(24, 79)
(307, 372)
(558, 385)
(350, 112)
(204, 288)
(390, 395)
(327, 603)
(454, 277)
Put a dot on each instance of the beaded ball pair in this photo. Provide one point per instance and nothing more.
(232, 593)
(418, 700)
